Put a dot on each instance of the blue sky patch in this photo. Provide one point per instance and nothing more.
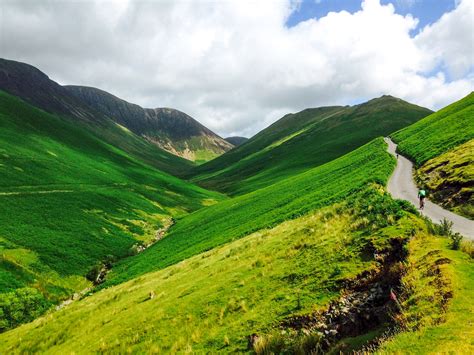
(426, 11)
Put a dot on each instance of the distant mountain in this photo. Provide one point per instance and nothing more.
(236, 141)
(170, 129)
(303, 140)
(36, 88)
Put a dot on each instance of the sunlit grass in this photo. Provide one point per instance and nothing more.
(68, 200)
(214, 300)
(265, 208)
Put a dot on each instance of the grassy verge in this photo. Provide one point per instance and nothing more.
(438, 313)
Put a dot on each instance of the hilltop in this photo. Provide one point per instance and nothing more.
(301, 141)
(166, 138)
(36, 88)
(170, 129)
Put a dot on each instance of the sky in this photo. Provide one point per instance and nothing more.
(238, 66)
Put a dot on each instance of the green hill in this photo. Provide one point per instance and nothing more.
(213, 301)
(246, 285)
(69, 201)
(441, 145)
(265, 208)
(36, 88)
(283, 270)
(294, 263)
(302, 141)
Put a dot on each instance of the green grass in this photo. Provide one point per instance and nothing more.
(265, 208)
(138, 148)
(211, 302)
(438, 312)
(302, 141)
(202, 155)
(438, 133)
(68, 200)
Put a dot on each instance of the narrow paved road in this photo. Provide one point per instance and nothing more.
(402, 186)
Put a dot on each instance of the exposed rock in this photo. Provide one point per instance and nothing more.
(365, 303)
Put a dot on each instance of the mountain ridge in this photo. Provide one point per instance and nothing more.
(37, 88)
(168, 128)
(302, 140)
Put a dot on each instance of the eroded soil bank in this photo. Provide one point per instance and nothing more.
(368, 303)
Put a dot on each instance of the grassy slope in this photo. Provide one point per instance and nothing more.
(213, 301)
(439, 311)
(445, 163)
(140, 149)
(439, 132)
(288, 125)
(235, 218)
(302, 141)
(249, 284)
(67, 200)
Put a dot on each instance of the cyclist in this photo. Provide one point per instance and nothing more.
(421, 196)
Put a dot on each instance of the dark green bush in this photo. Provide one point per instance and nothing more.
(456, 239)
(21, 306)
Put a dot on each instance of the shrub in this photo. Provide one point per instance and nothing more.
(308, 344)
(445, 228)
(94, 272)
(21, 306)
(456, 239)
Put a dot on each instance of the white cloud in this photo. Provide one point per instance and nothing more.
(450, 41)
(234, 65)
